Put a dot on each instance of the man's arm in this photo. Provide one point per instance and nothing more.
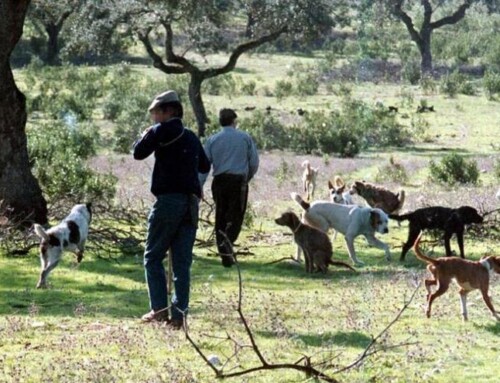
(204, 164)
(253, 159)
(145, 145)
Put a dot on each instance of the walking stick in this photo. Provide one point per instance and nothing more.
(169, 273)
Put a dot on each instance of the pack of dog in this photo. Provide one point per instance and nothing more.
(349, 220)
(315, 244)
(69, 235)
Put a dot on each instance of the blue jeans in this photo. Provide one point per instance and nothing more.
(172, 223)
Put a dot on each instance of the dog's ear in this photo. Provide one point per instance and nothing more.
(41, 232)
(374, 218)
(330, 185)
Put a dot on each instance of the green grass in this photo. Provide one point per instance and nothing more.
(86, 325)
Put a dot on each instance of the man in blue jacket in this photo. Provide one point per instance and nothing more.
(173, 219)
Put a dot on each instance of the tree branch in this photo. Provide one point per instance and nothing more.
(403, 16)
(242, 48)
(169, 50)
(455, 17)
(157, 60)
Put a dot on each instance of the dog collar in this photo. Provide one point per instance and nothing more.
(297, 228)
(485, 264)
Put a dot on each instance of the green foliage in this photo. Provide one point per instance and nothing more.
(220, 85)
(491, 83)
(59, 153)
(307, 84)
(392, 172)
(282, 89)
(411, 72)
(456, 82)
(248, 88)
(454, 169)
(64, 90)
(266, 130)
(496, 169)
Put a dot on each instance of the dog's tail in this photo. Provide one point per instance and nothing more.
(402, 217)
(401, 199)
(39, 230)
(297, 198)
(340, 263)
(420, 255)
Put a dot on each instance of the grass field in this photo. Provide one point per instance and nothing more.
(86, 327)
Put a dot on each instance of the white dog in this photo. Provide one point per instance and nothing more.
(69, 235)
(309, 179)
(349, 220)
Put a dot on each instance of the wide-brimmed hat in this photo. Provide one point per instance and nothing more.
(164, 98)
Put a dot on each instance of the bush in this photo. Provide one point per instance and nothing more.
(223, 84)
(266, 130)
(411, 71)
(58, 153)
(453, 169)
(393, 172)
(456, 83)
(307, 84)
(491, 83)
(283, 89)
(248, 88)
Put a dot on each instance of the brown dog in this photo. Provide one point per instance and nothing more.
(469, 275)
(379, 197)
(315, 244)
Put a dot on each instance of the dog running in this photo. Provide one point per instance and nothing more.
(451, 221)
(69, 235)
(469, 275)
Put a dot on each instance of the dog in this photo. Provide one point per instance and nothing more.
(379, 197)
(69, 235)
(349, 220)
(315, 244)
(451, 221)
(309, 179)
(469, 275)
(338, 194)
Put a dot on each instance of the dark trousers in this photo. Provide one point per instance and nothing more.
(230, 193)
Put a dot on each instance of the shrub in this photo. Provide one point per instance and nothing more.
(453, 169)
(491, 83)
(249, 88)
(307, 84)
(224, 84)
(496, 169)
(266, 130)
(456, 83)
(58, 153)
(411, 71)
(282, 89)
(393, 172)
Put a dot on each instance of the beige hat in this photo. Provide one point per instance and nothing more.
(163, 98)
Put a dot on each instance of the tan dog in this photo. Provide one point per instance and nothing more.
(309, 179)
(379, 197)
(469, 275)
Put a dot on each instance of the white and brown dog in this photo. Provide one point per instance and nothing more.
(309, 179)
(338, 194)
(69, 235)
(349, 220)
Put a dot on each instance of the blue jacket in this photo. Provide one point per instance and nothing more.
(179, 157)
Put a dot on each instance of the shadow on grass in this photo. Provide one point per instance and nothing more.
(493, 328)
(339, 338)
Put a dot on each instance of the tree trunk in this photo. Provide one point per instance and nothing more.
(19, 190)
(197, 102)
(52, 44)
(425, 52)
